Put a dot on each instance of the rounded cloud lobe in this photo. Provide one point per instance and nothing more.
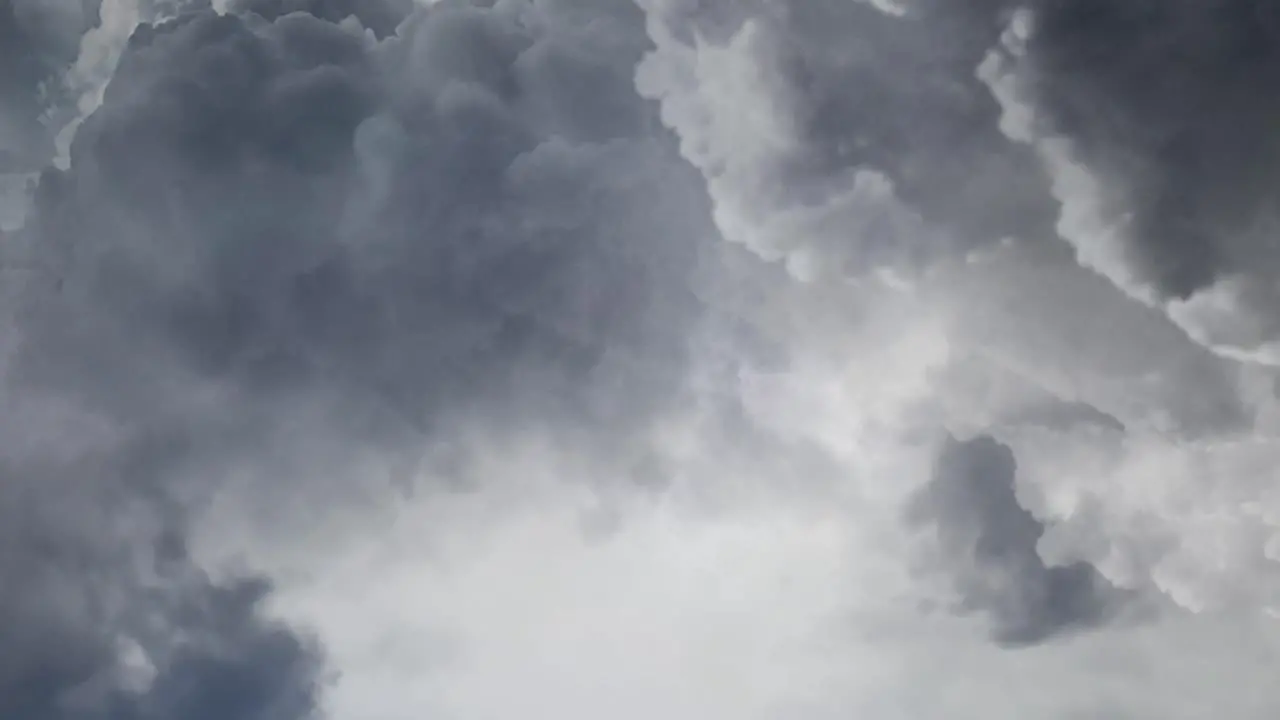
(1151, 122)
(991, 332)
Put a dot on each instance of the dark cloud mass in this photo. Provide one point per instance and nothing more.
(899, 95)
(38, 40)
(986, 541)
(106, 617)
(286, 208)
(1167, 105)
(1170, 102)
(278, 221)
(303, 231)
(381, 16)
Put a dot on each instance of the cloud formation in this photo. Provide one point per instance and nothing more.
(988, 541)
(870, 143)
(283, 243)
(630, 341)
(39, 41)
(1150, 120)
(1033, 339)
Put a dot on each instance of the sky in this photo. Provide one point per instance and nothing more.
(568, 359)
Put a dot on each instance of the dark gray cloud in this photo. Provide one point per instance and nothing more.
(79, 643)
(899, 94)
(844, 87)
(1166, 102)
(1162, 106)
(38, 41)
(283, 241)
(1170, 103)
(276, 223)
(986, 542)
(381, 17)
(20, 75)
(107, 616)
(285, 208)
(846, 93)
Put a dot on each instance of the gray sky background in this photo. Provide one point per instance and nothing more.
(481, 359)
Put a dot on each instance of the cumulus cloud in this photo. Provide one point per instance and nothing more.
(283, 242)
(1149, 122)
(1031, 339)
(107, 615)
(869, 144)
(39, 41)
(290, 208)
(618, 350)
(988, 540)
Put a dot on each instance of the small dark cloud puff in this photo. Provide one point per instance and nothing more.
(986, 543)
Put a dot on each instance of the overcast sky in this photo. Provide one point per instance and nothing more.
(633, 359)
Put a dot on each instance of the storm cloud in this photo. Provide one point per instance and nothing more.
(988, 541)
(275, 203)
(276, 220)
(1163, 100)
(874, 145)
(38, 42)
(377, 358)
(1159, 107)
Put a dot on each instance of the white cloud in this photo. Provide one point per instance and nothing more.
(740, 118)
(764, 583)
